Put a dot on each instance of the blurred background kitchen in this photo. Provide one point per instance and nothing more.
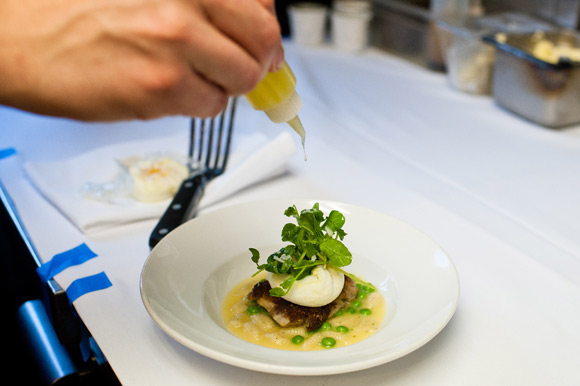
(398, 20)
(531, 70)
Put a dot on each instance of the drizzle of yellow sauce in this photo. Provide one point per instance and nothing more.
(262, 330)
(299, 129)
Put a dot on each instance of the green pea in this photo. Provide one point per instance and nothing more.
(253, 310)
(365, 311)
(298, 339)
(328, 342)
(325, 326)
(343, 329)
(361, 295)
(339, 313)
(356, 304)
(351, 310)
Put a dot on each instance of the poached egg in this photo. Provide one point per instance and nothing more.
(156, 179)
(320, 288)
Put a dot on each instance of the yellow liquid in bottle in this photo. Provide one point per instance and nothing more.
(273, 90)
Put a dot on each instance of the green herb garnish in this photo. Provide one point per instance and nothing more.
(314, 240)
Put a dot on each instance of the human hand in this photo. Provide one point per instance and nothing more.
(128, 59)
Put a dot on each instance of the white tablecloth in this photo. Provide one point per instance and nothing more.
(499, 194)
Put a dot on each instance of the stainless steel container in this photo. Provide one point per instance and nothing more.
(468, 59)
(543, 92)
(405, 28)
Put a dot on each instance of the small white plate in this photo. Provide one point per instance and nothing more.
(188, 274)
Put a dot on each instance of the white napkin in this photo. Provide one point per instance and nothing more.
(253, 158)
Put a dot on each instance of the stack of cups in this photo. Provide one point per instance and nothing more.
(350, 24)
(307, 23)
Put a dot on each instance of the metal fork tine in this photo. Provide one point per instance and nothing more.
(229, 134)
(204, 148)
(191, 143)
(200, 141)
(209, 145)
(219, 140)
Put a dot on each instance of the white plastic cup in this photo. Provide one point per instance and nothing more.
(350, 30)
(307, 23)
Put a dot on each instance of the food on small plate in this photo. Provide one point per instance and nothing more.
(301, 298)
(146, 179)
(156, 179)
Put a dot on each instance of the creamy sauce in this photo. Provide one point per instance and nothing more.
(261, 329)
(296, 125)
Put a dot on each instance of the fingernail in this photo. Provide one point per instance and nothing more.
(278, 61)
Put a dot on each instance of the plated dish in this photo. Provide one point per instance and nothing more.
(188, 274)
(302, 296)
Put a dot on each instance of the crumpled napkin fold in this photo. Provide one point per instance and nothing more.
(254, 158)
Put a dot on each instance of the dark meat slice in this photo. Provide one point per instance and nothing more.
(288, 314)
(347, 295)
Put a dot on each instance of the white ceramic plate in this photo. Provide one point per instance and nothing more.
(188, 274)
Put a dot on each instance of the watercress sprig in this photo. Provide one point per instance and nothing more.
(315, 239)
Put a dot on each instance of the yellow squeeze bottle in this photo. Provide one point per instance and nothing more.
(276, 95)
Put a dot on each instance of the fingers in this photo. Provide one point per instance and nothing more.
(278, 60)
(178, 92)
(219, 60)
(250, 23)
(228, 45)
(246, 35)
(127, 59)
(202, 53)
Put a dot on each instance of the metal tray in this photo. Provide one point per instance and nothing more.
(543, 92)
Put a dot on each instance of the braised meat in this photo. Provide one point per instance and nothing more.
(288, 314)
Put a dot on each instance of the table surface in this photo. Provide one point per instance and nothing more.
(497, 193)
